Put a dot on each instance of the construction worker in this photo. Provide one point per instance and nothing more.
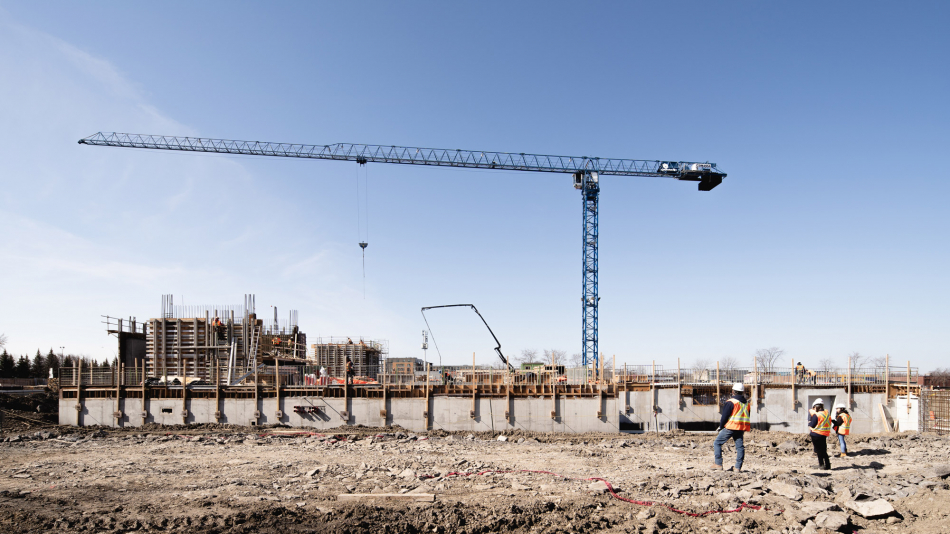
(800, 372)
(820, 425)
(733, 424)
(842, 427)
(349, 370)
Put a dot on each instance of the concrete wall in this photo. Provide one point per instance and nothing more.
(447, 413)
(776, 411)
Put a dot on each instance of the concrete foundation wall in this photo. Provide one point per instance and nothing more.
(573, 415)
(446, 413)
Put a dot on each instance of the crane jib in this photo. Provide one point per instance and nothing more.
(363, 153)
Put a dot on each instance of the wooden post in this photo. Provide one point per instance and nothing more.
(794, 379)
(887, 377)
(600, 381)
(118, 393)
(653, 385)
(425, 413)
(553, 387)
(908, 386)
(278, 413)
(679, 384)
(613, 370)
(144, 392)
(346, 391)
(78, 390)
(474, 387)
(850, 404)
(257, 393)
(382, 410)
(718, 400)
(755, 381)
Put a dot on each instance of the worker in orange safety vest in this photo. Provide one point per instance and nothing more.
(820, 425)
(842, 427)
(734, 423)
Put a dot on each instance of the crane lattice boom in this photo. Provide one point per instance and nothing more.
(400, 154)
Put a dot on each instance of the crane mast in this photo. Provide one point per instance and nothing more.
(586, 172)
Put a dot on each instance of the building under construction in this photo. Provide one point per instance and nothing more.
(333, 353)
(208, 344)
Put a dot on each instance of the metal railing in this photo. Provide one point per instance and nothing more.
(310, 376)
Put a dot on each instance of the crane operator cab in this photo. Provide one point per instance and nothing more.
(579, 179)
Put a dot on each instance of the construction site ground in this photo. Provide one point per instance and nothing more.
(231, 479)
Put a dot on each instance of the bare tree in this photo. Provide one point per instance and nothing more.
(576, 360)
(702, 364)
(826, 364)
(767, 359)
(857, 361)
(728, 363)
(3, 341)
(527, 356)
(559, 356)
(878, 362)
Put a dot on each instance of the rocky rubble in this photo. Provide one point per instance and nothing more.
(220, 479)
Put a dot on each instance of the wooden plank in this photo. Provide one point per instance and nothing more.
(417, 497)
(887, 426)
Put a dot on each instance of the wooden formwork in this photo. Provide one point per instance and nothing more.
(192, 347)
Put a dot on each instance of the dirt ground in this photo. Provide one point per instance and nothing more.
(226, 479)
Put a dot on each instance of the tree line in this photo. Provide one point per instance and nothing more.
(39, 365)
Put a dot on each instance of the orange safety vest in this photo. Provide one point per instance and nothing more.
(739, 420)
(845, 427)
(824, 423)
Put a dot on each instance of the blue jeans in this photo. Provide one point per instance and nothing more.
(842, 444)
(723, 437)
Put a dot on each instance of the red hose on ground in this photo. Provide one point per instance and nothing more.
(610, 488)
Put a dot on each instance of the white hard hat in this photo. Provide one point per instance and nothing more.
(817, 402)
(840, 406)
(738, 387)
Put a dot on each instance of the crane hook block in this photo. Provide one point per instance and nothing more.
(363, 245)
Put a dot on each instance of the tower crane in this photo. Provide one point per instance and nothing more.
(586, 172)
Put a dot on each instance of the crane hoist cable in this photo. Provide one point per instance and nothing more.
(363, 242)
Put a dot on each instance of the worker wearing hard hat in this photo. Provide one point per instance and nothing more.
(842, 427)
(733, 424)
(819, 423)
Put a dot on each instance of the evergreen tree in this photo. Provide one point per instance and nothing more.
(38, 366)
(52, 362)
(23, 367)
(7, 365)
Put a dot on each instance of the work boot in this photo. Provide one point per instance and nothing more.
(716, 467)
(844, 455)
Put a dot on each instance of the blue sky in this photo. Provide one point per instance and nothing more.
(827, 237)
